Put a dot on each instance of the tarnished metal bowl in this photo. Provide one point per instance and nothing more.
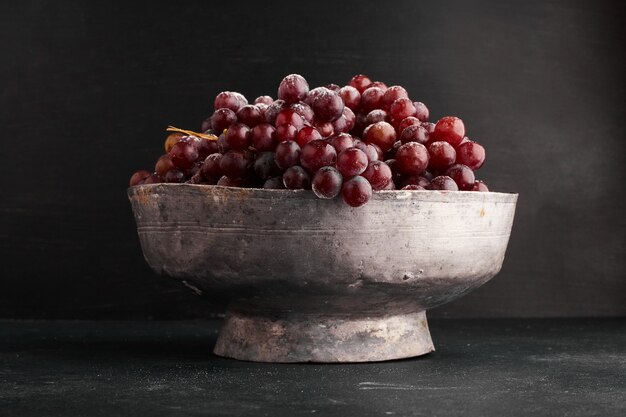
(312, 280)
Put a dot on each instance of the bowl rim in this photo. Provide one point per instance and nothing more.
(266, 193)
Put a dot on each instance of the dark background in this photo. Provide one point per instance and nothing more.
(87, 90)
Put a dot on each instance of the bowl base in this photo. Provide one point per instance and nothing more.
(288, 336)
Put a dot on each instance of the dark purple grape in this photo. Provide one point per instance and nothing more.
(287, 154)
(175, 176)
(274, 183)
(296, 178)
(250, 115)
(304, 110)
(265, 166)
(225, 181)
(360, 82)
(234, 164)
(222, 119)
(286, 131)
(327, 104)
(263, 137)
(272, 111)
(316, 154)
(183, 154)
(356, 191)
(211, 166)
(327, 182)
(230, 100)
(293, 88)
(238, 137)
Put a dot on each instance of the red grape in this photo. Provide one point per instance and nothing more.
(153, 178)
(381, 134)
(412, 158)
(286, 131)
(304, 110)
(380, 85)
(415, 133)
(225, 181)
(174, 176)
(222, 119)
(471, 154)
(211, 166)
(341, 141)
(421, 111)
(274, 183)
(430, 127)
(480, 186)
(377, 115)
(250, 115)
(264, 99)
(333, 87)
(325, 128)
(229, 100)
(296, 178)
(401, 109)
(293, 88)
(289, 116)
(350, 96)
(392, 94)
(368, 149)
(234, 164)
(406, 122)
(360, 82)
(263, 137)
(443, 182)
(450, 129)
(238, 137)
(307, 134)
(287, 154)
(206, 147)
(172, 139)
(272, 111)
(462, 175)
(163, 165)
(183, 154)
(326, 104)
(351, 162)
(378, 174)
(371, 99)
(138, 177)
(316, 154)
(356, 191)
(442, 155)
(327, 182)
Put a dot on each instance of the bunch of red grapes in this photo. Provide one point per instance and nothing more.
(349, 140)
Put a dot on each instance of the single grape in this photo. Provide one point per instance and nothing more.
(377, 115)
(222, 145)
(183, 154)
(430, 127)
(406, 122)
(175, 176)
(325, 128)
(272, 111)
(381, 134)
(263, 137)
(172, 139)
(306, 135)
(153, 178)
(442, 155)
(341, 142)
(380, 85)
(480, 186)
(274, 183)
(265, 166)
(234, 164)
(229, 100)
(360, 82)
(462, 175)
(264, 100)
(223, 119)
(378, 174)
(471, 154)
(327, 104)
(287, 154)
(392, 94)
(163, 165)
(206, 147)
(296, 178)
(238, 137)
(413, 187)
(249, 115)
(415, 133)
(341, 125)
(371, 99)
(304, 110)
(225, 181)
(333, 87)
(416, 180)
(293, 88)
(211, 166)
(351, 162)
(285, 131)
(350, 96)
(412, 158)
(450, 129)
(443, 182)
(370, 151)
(356, 191)
(421, 111)
(401, 109)
(316, 154)
(289, 116)
(327, 182)
(138, 177)
(349, 118)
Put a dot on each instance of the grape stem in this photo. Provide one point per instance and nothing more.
(190, 132)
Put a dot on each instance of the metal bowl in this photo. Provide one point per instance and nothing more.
(312, 280)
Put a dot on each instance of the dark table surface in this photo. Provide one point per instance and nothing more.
(574, 367)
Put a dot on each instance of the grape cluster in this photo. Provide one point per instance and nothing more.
(349, 141)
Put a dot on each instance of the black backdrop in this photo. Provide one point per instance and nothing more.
(87, 90)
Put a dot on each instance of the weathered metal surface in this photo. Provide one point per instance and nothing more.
(289, 262)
